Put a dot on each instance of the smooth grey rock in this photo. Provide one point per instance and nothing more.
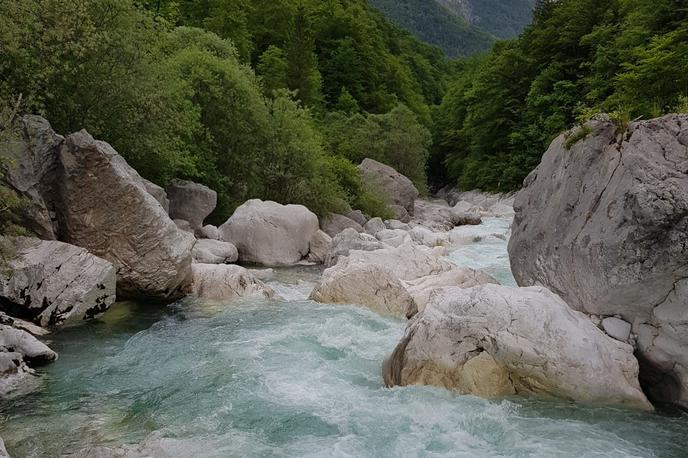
(191, 201)
(210, 232)
(3, 451)
(422, 288)
(333, 224)
(32, 350)
(370, 285)
(393, 237)
(158, 193)
(32, 174)
(226, 281)
(349, 239)
(493, 341)
(269, 233)
(358, 216)
(184, 225)
(617, 328)
(52, 283)
(208, 251)
(398, 189)
(407, 262)
(23, 325)
(395, 224)
(605, 225)
(400, 213)
(435, 215)
(424, 236)
(374, 225)
(103, 206)
(320, 248)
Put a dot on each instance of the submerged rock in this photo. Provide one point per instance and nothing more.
(103, 206)
(605, 226)
(269, 233)
(492, 340)
(398, 189)
(225, 281)
(51, 283)
(191, 201)
(370, 285)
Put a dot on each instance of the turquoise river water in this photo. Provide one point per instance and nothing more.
(292, 378)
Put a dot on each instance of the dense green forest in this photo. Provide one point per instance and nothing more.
(280, 99)
(433, 23)
(264, 98)
(580, 57)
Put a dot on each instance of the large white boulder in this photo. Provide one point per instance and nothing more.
(406, 262)
(370, 285)
(191, 201)
(226, 281)
(103, 206)
(493, 340)
(269, 233)
(422, 288)
(604, 224)
(398, 189)
(52, 283)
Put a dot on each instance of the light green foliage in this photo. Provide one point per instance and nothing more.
(577, 135)
(580, 57)
(272, 69)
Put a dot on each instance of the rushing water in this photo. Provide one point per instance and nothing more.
(292, 378)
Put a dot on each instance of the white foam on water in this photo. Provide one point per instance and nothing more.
(291, 378)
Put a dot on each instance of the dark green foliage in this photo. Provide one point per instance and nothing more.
(580, 57)
(502, 18)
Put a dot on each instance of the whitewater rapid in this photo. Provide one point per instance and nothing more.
(255, 378)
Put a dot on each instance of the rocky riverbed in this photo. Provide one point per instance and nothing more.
(291, 377)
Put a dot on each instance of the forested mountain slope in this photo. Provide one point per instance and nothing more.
(580, 57)
(502, 18)
(432, 23)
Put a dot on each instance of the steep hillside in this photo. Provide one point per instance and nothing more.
(502, 18)
(433, 23)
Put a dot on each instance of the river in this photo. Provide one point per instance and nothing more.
(255, 378)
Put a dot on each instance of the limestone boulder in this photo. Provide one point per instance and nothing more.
(32, 174)
(407, 262)
(52, 283)
(320, 250)
(103, 206)
(465, 218)
(209, 232)
(394, 237)
(397, 188)
(421, 289)
(369, 285)
(226, 281)
(333, 224)
(400, 213)
(424, 236)
(208, 251)
(269, 233)
(191, 201)
(158, 193)
(348, 240)
(32, 351)
(374, 225)
(358, 216)
(604, 224)
(493, 341)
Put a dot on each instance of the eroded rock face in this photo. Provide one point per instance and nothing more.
(398, 188)
(208, 251)
(493, 340)
(32, 174)
(371, 285)
(52, 283)
(605, 225)
(269, 233)
(225, 281)
(191, 201)
(104, 206)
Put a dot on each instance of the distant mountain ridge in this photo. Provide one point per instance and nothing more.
(459, 27)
